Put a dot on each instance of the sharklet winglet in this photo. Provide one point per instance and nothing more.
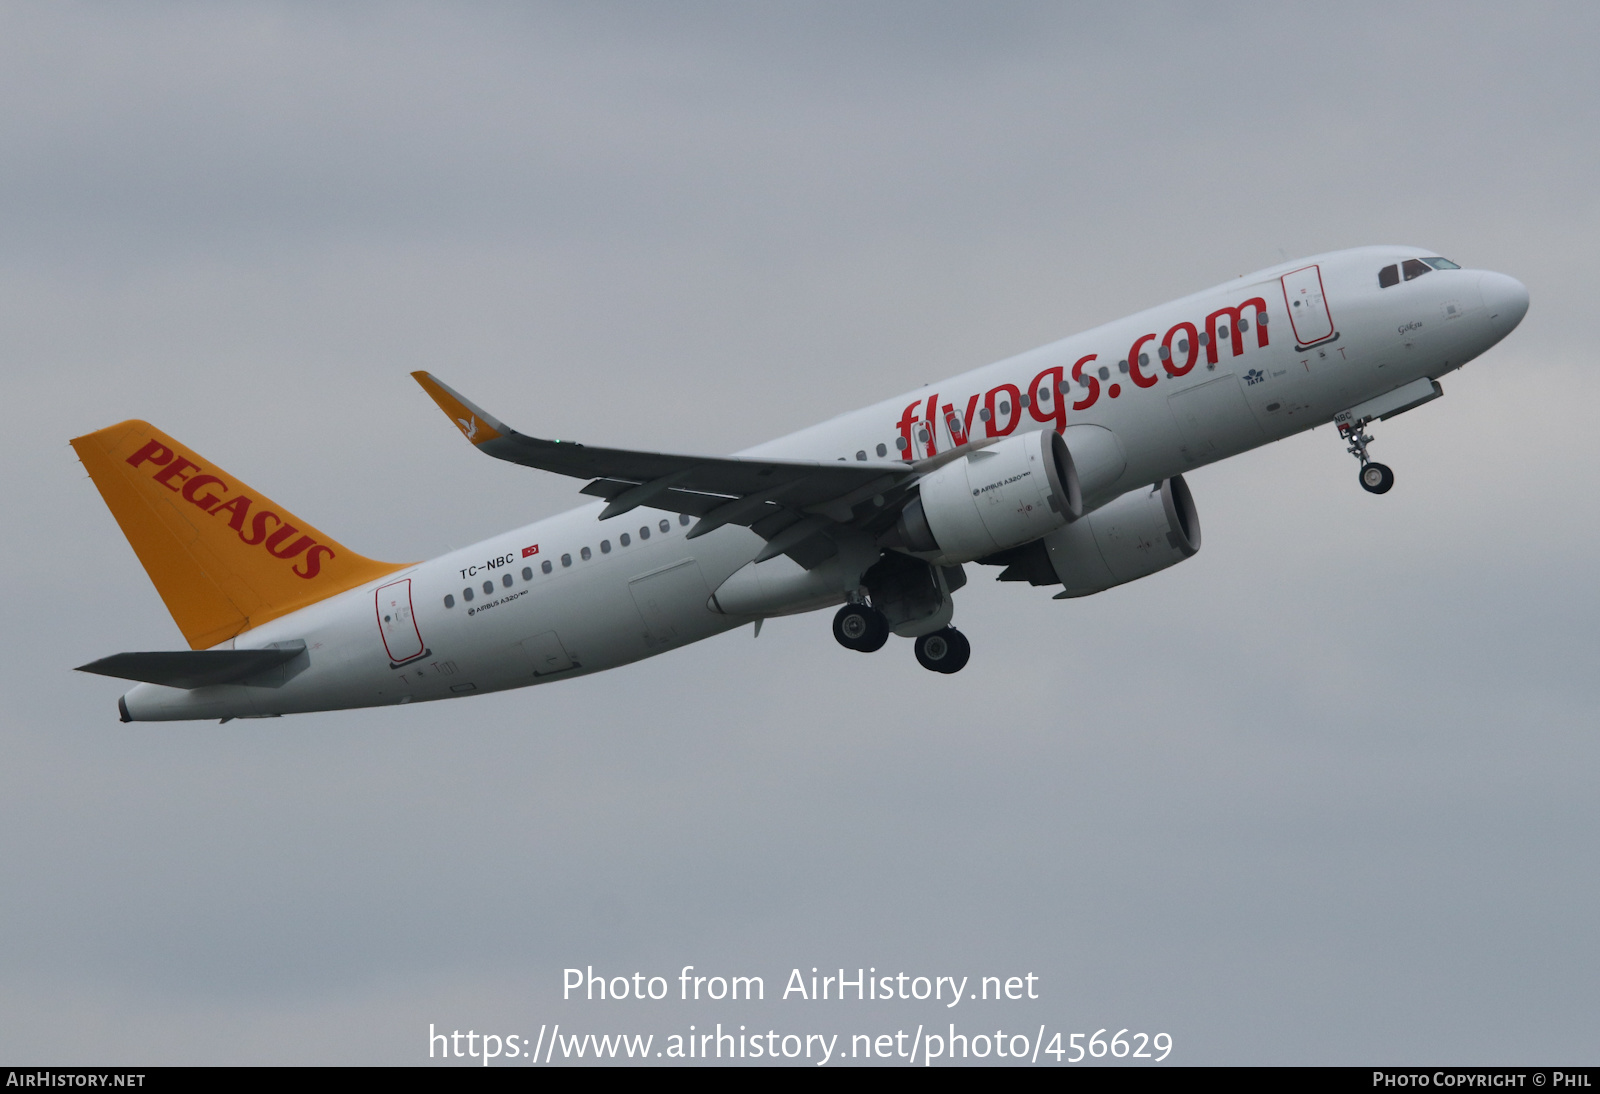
(476, 424)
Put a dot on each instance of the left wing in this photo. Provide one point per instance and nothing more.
(792, 504)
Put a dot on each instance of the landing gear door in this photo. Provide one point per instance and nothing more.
(1308, 306)
(397, 623)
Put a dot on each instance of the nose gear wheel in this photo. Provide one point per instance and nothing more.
(1376, 478)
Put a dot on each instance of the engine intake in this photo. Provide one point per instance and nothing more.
(1142, 532)
(993, 499)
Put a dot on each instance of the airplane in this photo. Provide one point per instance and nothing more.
(1061, 467)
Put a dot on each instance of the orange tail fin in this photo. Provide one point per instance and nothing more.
(224, 557)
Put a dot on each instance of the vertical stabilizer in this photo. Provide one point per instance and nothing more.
(224, 557)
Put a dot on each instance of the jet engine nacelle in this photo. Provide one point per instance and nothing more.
(1143, 531)
(998, 497)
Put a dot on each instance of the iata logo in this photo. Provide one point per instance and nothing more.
(1254, 377)
(208, 493)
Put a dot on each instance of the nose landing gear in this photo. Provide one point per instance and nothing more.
(1376, 478)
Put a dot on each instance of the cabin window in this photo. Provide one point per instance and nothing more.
(625, 539)
(683, 518)
(861, 454)
(506, 580)
(1104, 373)
(666, 526)
(1414, 268)
(488, 587)
(586, 554)
(605, 546)
(566, 560)
(546, 567)
(449, 601)
(527, 573)
(984, 415)
(644, 531)
(1389, 275)
(901, 443)
(883, 450)
(1005, 408)
(466, 594)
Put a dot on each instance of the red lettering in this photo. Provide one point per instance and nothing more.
(239, 506)
(933, 430)
(1133, 362)
(275, 540)
(1012, 408)
(1046, 393)
(154, 451)
(1232, 326)
(176, 467)
(908, 418)
(1094, 383)
(1191, 342)
(258, 527)
(313, 562)
(192, 488)
(954, 424)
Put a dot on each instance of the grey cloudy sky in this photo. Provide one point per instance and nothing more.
(1323, 794)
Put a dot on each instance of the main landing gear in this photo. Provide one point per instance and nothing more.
(865, 629)
(861, 627)
(1376, 478)
(944, 650)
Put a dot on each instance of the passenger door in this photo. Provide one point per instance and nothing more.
(1303, 295)
(397, 623)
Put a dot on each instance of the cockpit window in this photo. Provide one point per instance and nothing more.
(1441, 263)
(1414, 268)
(1389, 275)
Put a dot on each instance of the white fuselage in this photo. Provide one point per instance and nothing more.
(604, 604)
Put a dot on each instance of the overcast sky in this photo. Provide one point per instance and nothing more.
(1323, 794)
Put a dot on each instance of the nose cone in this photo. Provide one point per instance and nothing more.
(1505, 300)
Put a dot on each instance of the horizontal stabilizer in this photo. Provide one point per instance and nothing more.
(191, 669)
